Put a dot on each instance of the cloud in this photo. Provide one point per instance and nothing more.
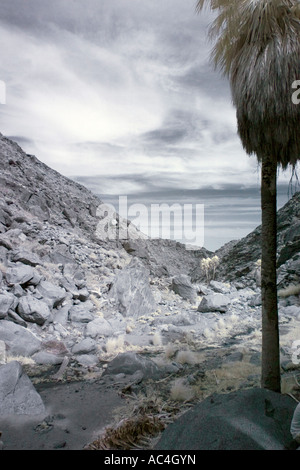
(120, 89)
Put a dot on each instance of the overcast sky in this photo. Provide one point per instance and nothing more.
(120, 95)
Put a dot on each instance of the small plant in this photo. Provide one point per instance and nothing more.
(181, 392)
(209, 266)
(115, 345)
(170, 350)
(186, 357)
(290, 290)
(157, 339)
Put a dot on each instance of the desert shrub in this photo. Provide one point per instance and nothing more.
(157, 339)
(170, 350)
(115, 345)
(290, 290)
(186, 357)
(180, 391)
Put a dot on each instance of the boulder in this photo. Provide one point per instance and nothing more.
(83, 294)
(253, 419)
(203, 290)
(54, 346)
(87, 360)
(82, 313)
(46, 358)
(220, 287)
(86, 346)
(25, 257)
(19, 274)
(53, 352)
(129, 363)
(33, 310)
(255, 300)
(7, 302)
(17, 393)
(214, 303)
(62, 314)
(99, 327)
(70, 287)
(19, 340)
(13, 316)
(4, 217)
(51, 293)
(131, 290)
(183, 286)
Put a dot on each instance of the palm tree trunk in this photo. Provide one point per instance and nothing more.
(270, 374)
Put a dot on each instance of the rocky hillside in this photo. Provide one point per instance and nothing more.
(76, 306)
(239, 260)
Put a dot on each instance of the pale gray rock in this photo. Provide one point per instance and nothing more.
(46, 358)
(118, 323)
(70, 287)
(83, 294)
(82, 313)
(53, 295)
(3, 254)
(129, 363)
(13, 316)
(7, 301)
(87, 360)
(203, 290)
(99, 327)
(131, 290)
(19, 274)
(183, 286)
(25, 257)
(291, 310)
(220, 287)
(86, 346)
(246, 294)
(60, 255)
(18, 291)
(33, 310)
(255, 301)
(17, 393)
(19, 340)
(214, 303)
(61, 315)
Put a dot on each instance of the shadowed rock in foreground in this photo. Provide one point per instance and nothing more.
(254, 419)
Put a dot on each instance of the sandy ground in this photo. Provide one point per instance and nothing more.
(75, 414)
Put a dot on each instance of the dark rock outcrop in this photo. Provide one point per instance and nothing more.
(254, 419)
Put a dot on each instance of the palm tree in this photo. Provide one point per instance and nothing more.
(257, 46)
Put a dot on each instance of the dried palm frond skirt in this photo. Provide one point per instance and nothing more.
(130, 433)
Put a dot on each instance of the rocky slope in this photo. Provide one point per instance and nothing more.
(238, 259)
(77, 306)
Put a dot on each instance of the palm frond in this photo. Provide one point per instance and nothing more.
(129, 434)
(257, 45)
